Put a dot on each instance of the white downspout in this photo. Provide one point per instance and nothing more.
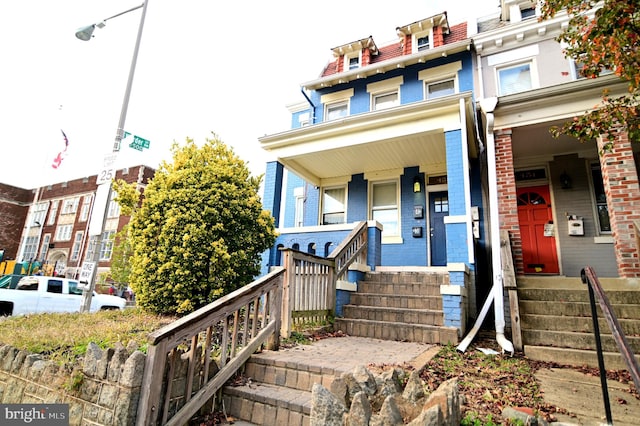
(497, 292)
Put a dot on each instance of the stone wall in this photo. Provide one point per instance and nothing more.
(104, 390)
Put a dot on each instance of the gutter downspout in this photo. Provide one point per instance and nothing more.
(497, 291)
(313, 107)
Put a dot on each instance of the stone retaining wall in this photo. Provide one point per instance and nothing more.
(103, 391)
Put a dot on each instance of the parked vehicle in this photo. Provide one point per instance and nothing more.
(39, 294)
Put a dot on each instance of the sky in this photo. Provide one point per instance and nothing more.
(203, 67)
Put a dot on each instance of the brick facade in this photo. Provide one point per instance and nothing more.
(14, 208)
(508, 206)
(620, 181)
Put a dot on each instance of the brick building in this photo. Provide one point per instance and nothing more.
(50, 224)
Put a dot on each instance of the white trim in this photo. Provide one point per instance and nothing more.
(346, 285)
(385, 85)
(335, 181)
(392, 239)
(384, 174)
(341, 95)
(453, 290)
(456, 219)
(458, 267)
(440, 72)
(603, 239)
(513, 55)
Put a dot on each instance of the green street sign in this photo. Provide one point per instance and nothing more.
(139, 143)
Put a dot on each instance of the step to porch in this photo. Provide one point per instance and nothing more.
(557, 325)
(401, 306)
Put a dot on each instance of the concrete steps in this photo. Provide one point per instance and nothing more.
(557, 326)
(401, 306)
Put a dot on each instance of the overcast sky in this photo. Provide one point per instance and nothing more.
(204, 66)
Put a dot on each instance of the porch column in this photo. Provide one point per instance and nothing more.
(507, 198)
(272, 198)
(621, 187)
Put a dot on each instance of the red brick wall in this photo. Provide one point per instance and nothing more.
(366, 57)
(14, 208)
(438, 37)
(406, 45)
(507, 198)
(623, 198)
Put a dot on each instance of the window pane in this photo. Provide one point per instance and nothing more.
(423, 43)
(441, 88)
(601, 199)
(354, 63)
(388, 219)
(515, 79)
(387, 100)
(336, 111)
(333, 206)
(384, 194)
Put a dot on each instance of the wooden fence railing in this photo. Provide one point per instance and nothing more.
(190, 360)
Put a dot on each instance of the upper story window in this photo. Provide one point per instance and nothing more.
(70, 205)
(337, 110)
(334, 205)
(529, 12)
(354, 62)
(86, 208)
(53, 212)
(440, 81)
(336, 104)
(114, 207)
(385, 100)
(63, 232)
(422, 42)
(39, 213)
(441, 88)
(514, 79)
(44, 248)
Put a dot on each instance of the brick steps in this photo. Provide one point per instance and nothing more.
(402, 306)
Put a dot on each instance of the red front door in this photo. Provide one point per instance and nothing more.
(536, 228)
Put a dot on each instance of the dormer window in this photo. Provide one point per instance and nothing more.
(354, 63)
(423, 43)
(527, 13)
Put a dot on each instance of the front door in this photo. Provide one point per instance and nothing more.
(438, 209)
(537, 231)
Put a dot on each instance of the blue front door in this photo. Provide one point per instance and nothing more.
(438, 209)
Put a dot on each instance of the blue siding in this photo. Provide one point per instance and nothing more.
(271, 199)
(293, 182)
(357, 204)
(312, 206)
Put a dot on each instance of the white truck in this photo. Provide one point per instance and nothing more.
(38, 294)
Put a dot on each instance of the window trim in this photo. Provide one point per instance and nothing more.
(439, 74)
(533, 75)
(591, 165)
(53, 213)
(335, 98)
(418, 35)
(386, 237)
(336, 105)
(375, 97)
(346, 66)
(62, 230)
(434, 82)
(322, 203)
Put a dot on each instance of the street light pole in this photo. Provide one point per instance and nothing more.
(85, 34)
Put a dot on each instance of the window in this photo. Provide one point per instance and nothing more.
(528, 13)
(514, 79)
(70, 205)
(106, 247)
(334, 203)
(86, 208)
(298, 213)
(30, 247)
(337, 110)
(44, 248)
(54, 286)
(384, 206)
(423, 43)
(354, 62)
(77, 245)
(385, 100)
(39, 214)
(63, 232)
(602, 210)
(114, 207)
(53, 213)
(440, 88)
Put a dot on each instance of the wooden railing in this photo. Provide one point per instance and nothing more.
(190, 360)
(228, 330)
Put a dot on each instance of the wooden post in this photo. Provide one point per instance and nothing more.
(289, 276)
(509, 283)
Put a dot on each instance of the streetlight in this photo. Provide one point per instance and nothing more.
(85, 34)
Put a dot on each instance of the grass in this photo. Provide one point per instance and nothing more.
(64, 337)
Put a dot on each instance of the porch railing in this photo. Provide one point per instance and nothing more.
(190, 360)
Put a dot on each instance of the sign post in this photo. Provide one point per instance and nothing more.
(86, 272)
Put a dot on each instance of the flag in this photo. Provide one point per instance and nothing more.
(58, 158)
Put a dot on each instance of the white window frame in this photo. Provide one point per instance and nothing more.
(53, 212)
(44, 247)
(388, 236)
(63, 232)
(347, 61)
(114, 207)
(416, 36)
(86, 208)
(336, 106)
(428, 84)
(298, 207)
(77, 245)
(438, 75)
(377, 106)
(384, 88)
(335, 99)
(39, 214)
(106, 245)
(335, 212)
(30, 248)
(592, 166)
(533, 77)
(70, 205)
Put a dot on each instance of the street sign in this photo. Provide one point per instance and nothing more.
(87, 271)
(106, 176)
(139, 143)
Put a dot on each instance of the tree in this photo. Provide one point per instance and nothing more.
(128, 197)
(200, 231)
(604, 40)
